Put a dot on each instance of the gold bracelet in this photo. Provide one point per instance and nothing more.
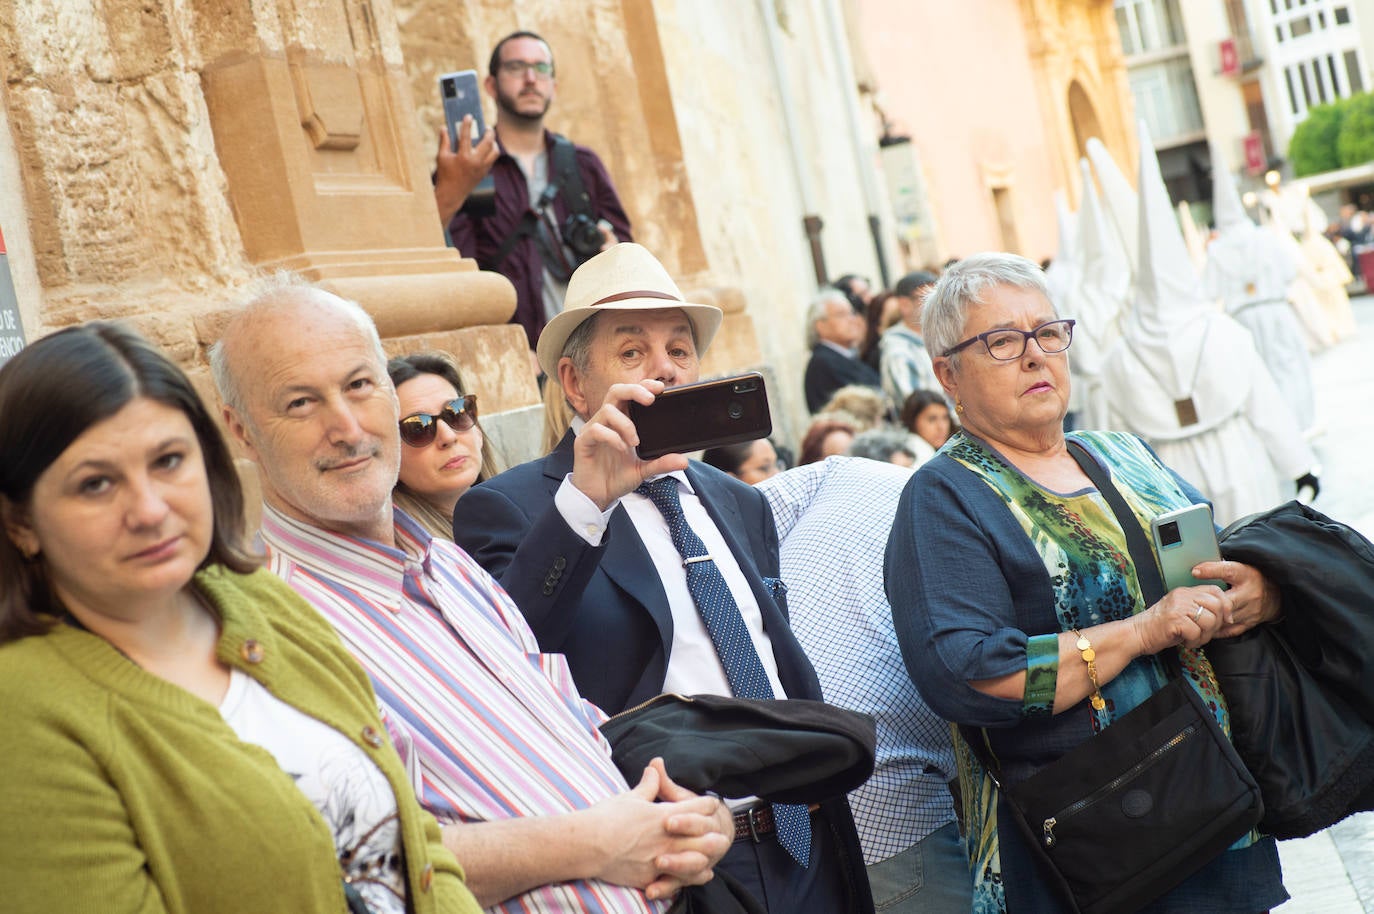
(1090, 657)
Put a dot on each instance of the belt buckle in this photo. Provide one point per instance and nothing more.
(750, 818)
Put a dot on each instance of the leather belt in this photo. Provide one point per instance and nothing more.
(756, 822)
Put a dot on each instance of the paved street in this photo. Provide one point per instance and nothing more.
(1333, 872)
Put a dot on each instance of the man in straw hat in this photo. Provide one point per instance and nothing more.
(593, 543)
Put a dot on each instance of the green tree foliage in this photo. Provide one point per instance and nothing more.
(1312, 149)
(1355, 143)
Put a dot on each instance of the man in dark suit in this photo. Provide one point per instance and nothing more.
(658, 575)
(834, 329)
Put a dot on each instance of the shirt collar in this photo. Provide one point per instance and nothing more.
(851, 353)
(375, 570)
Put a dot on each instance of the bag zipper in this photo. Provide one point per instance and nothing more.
(655, 700)
(1048, 825)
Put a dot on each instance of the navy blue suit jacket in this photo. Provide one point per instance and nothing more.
(604, 607)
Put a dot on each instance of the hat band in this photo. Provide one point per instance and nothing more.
(641, 293)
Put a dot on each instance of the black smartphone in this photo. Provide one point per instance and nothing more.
(706, 414)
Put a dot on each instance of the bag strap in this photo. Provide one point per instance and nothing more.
(1142, 555)
(567, 178)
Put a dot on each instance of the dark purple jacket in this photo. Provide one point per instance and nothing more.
(482, 238)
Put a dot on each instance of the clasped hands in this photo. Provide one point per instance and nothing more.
(1193, 616)
(661, 836)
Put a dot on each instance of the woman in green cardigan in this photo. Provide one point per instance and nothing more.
(182, 732)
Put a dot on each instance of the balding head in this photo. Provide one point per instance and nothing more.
(303, 378)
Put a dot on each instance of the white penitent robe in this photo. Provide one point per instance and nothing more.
(1245, 448)
(1328, 278)
(1250, 271)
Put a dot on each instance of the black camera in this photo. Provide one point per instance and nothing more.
(583, 236)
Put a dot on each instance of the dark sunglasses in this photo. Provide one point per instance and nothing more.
(459, 414)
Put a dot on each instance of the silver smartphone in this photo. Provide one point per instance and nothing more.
(459, 94)
(1183, 538)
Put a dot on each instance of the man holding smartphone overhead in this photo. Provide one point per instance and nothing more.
(657, 575)
(554, 206)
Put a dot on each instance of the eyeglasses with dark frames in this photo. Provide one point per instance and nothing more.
(542, 68)
(1007, 344)
(420, 429)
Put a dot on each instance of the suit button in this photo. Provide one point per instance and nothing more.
(560, 563)
(252, 651)
(372, 737)
(548, 590)
(426, 877)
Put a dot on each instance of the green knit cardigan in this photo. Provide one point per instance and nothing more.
(122, 793)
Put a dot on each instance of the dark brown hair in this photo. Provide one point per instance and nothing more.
(50, 394)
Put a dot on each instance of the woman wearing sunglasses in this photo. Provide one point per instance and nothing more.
(445, 452)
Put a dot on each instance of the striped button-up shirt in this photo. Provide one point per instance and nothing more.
(489, 727)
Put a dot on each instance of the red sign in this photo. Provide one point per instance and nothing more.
(1254, 152)
(1230, 57)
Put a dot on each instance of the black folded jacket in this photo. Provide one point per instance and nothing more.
(783, 751)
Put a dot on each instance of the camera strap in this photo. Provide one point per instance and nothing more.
(564, 179)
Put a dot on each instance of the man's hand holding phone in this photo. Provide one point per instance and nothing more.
(457, 172)
(606, 466)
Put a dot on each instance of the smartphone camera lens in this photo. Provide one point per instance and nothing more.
(745, 387)
(450, 89)
(1169, 535)
(735, 409)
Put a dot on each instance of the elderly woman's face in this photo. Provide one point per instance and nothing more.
(122, 518)
(1006, 401)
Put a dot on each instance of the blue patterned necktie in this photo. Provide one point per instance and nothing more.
(736, 650)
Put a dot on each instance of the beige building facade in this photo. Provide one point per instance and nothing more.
(156, 156)
(998, 98)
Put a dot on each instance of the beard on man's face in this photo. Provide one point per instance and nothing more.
(511, 105)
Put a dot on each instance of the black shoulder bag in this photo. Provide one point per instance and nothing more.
(1130, 813)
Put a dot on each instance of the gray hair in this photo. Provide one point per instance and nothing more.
(816, 311)
(578, 345)
(965, 283)
(265, 296)
(880, 444)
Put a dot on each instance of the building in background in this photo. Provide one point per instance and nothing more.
(1234, 78)
(994, 99)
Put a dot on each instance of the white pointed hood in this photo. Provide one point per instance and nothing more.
(1105, 287)
(1121, 201)
(1176, 347)
(1063, 274)
(1227, 210)
(1245, 264)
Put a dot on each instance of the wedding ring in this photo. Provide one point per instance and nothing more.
(1198, 615)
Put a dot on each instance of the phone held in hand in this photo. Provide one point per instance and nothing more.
(460, 96)
(1182, 539)
(706, 414)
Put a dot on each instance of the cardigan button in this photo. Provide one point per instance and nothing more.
(426, 877)
(252, 651)
(372, 737)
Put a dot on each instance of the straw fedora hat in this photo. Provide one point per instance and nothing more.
(625, 277)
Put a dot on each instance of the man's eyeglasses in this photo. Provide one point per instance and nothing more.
(420, 429)
(542, 68)
(1007, 344)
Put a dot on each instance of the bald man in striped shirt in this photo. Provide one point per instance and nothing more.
(501, 747)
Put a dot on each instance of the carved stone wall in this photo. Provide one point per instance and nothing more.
(168, 152)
